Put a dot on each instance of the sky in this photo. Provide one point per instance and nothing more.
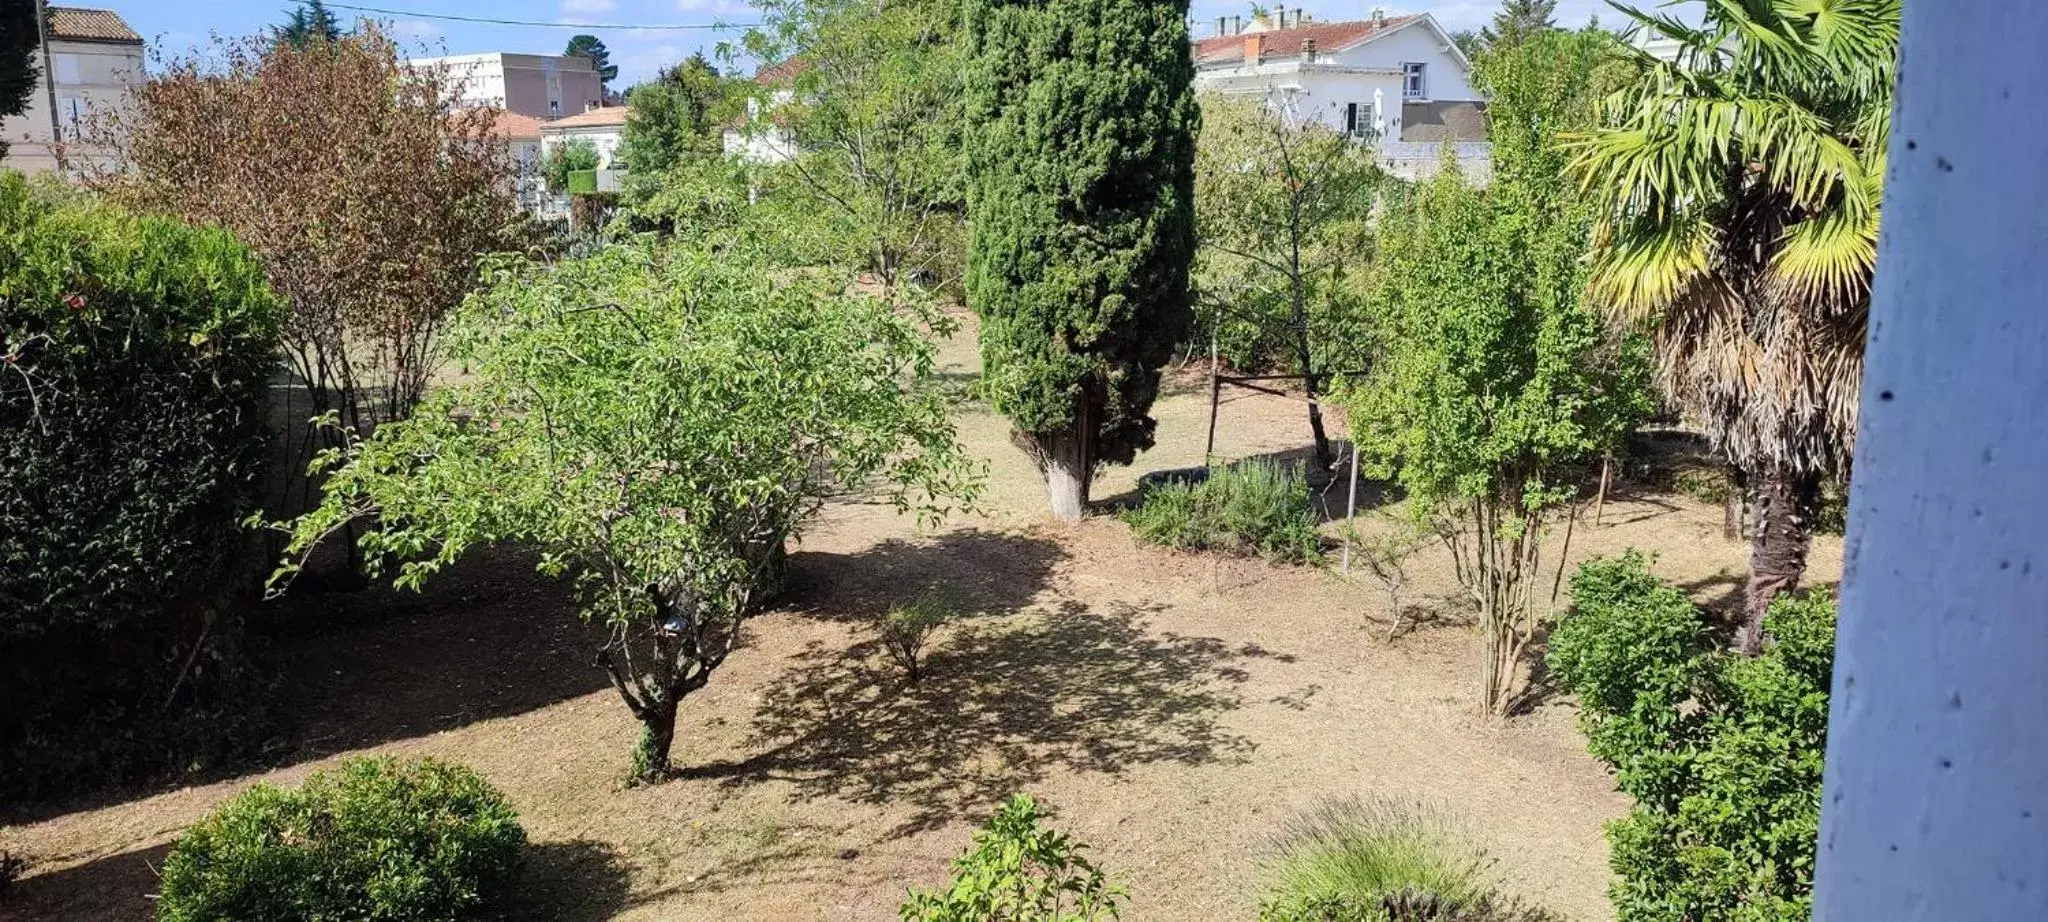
(174, 26)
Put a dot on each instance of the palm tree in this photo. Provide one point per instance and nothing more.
(1738, 183)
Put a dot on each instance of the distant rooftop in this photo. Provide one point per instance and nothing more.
(79, 24)
(602, 117)
(1286, 43)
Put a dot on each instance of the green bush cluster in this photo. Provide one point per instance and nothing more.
(135, 355)
(1722, 753)
(1019, 871)
(1254, 508)
(376, 839)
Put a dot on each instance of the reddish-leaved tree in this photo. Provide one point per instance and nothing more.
(365, 187)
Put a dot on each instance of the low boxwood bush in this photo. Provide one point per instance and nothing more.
(376, 839)
(1019, 871)
(1721, 752)
(1254, 508)
(135, 355)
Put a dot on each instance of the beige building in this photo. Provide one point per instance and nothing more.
(95, 61)
(604, 129)
(542, 86)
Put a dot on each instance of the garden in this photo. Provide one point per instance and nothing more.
(887, 534)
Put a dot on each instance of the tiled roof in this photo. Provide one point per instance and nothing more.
(515, 126)
(1286, 43)
(602, 117)
(70, 23)
(781, 71)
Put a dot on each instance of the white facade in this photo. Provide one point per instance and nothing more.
(605, 138)
(542, 86)
(91, 76)
(758, 139)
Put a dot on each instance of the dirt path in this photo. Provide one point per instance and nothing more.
(1173, 709)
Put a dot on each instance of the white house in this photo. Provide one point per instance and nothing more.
(1397, 82)
(95, 61)
(760, 136)
(603, 127)
(539, 85)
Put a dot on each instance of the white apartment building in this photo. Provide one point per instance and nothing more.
(539, 85)
(95, 60)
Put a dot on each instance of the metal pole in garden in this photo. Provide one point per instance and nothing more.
(1935, 805)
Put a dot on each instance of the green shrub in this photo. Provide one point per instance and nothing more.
(137, 354)
(1257, 507)
(375, 839)
(1722, 753)
(1019, 872)
(906, 629)
(581, 182)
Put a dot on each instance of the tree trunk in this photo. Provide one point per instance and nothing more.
(657, 736)
(1786, 505)
(1068, 461)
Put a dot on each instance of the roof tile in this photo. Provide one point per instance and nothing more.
(1286, 43)
(87, 25)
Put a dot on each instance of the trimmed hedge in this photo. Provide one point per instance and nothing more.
(137, 353)
(1257, 508)
(377, 839)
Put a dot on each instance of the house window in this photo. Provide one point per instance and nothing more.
(1412, 84)
(554, 107)
(1360, 119)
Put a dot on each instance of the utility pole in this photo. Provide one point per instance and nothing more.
(1935, 804)
(50, 82)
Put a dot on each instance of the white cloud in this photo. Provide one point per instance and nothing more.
(587, 7)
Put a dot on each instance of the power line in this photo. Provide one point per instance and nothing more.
(414, 14)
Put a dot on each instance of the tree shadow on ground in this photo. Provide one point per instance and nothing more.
(488, 638)
(575, 881)
(1001, 705)
(974, 570)
(113, 887)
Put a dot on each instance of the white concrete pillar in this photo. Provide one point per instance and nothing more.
(1936, 800)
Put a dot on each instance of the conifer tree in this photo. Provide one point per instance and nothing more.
(1081, 140)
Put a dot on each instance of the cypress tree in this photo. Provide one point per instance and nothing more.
(1081, 146)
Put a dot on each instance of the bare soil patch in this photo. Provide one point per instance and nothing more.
(1173, 709)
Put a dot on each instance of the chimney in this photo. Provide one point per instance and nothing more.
(1237, 25)
(1308, 51)
(1379, 16)
(1279, 16)
(1255, 49)
(1222, 25)
(590, 105)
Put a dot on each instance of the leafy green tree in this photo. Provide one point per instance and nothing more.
(1723, 754)
(1519, 21)
(18, 41)
(1492, 381)
(874, 110)
(1081, 120)
(567, 157)
(1283, 207)
(1737, 192)
(678, 114)
(311, 21)
(589, 46)
(659, 422)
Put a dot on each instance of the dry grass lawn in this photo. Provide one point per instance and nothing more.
(1171, 708)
